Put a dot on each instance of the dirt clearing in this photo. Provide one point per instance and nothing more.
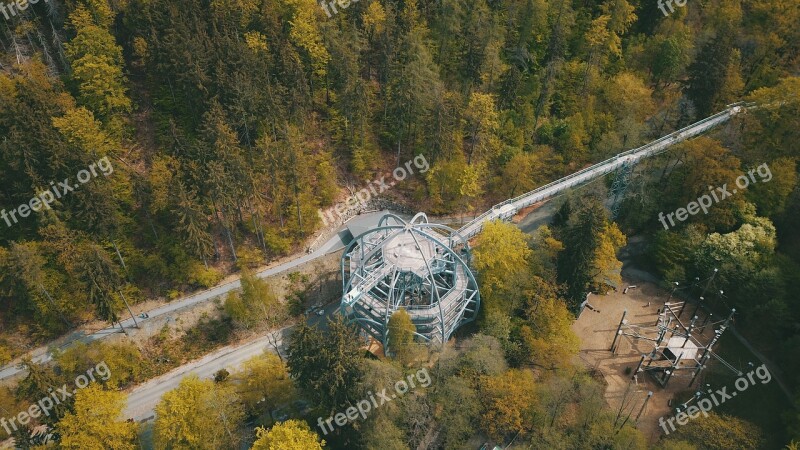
(596, 327)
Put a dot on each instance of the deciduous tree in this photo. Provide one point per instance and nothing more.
(720, 431)
(507, 400)
(199, 415)
(289, 435)
(401, 336)
(264, 382)
(501, 250)
(97, 423)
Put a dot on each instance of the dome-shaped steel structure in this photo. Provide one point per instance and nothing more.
(418, 266)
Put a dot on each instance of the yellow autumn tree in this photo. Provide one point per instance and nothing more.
(501, 251)
(97, 422)
(97, 67)
(123, 359)
(80, 129)
(5, 354)
(289, 435)
(522, 173)
(482, 122)
(374, 18)
(255, 304)
(721, 431)
(92, 12)
(607, 268)
(453, 185)
(198, 415)
(264, 382)
(547, 337)
(604, 34)
(401, 336)
(507, 403)
(305, 33)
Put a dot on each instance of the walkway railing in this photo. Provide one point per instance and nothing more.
(508, 208)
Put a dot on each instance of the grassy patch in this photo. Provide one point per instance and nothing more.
(207, 335)
(165, 352)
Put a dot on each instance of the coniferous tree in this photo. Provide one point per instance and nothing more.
(326, 365)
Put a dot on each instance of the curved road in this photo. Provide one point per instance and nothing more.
(334, 244)
(143, 398)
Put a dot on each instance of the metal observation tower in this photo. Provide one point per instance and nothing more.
(418, 266)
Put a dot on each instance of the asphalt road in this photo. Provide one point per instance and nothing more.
(143, 398)
(43, 355)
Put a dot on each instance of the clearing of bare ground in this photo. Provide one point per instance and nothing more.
(625, 393)
(760, 404)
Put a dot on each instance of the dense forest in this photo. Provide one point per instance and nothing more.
(222, 127)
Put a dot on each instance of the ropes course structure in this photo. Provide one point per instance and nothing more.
(680, 346)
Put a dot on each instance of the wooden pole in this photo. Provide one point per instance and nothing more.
(705, 322)
(700, 367)
(619, 329)
(639, 366)
(129, 309)
(674, 367)
(689, 332)
(649, 395)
